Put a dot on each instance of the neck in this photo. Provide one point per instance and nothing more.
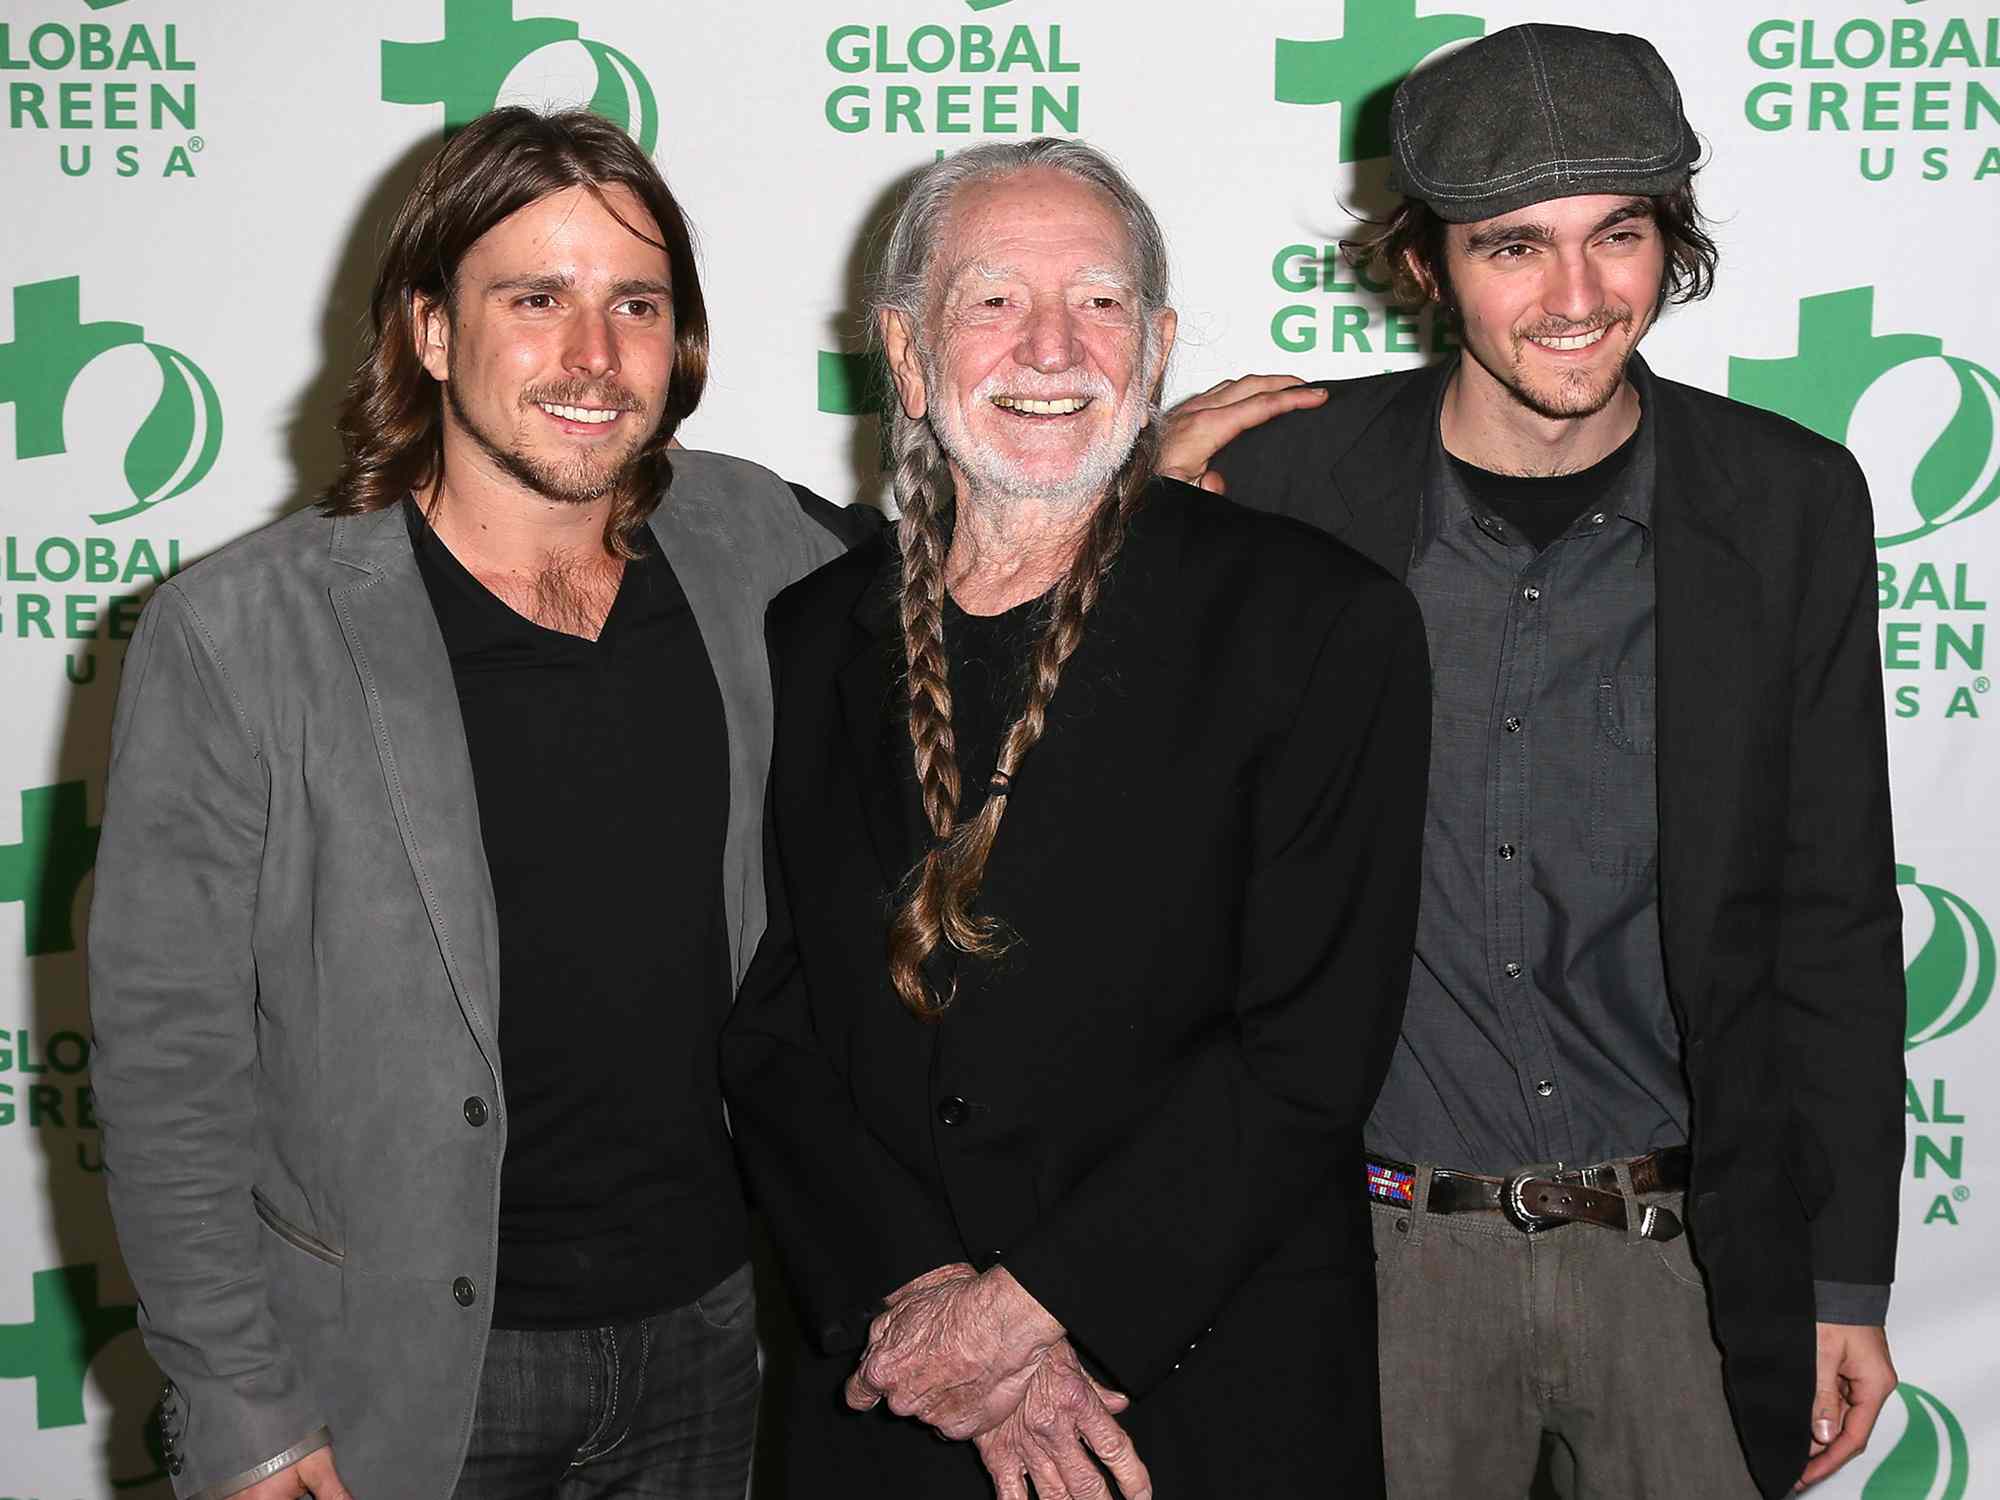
(1486, 424)
(1006, 551)
(488, 517)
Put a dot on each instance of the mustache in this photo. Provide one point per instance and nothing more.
(1034, 387)
(584, 393)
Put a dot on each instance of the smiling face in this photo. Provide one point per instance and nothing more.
(1041, 366)
(1554, 298)
(556, 353)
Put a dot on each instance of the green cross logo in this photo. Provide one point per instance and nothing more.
(54, 1350)
(1930, 1461)
(174, 447)
(466, 69)
(1950, 977)
(45, 870)
(1840, 360)
(1380, 42)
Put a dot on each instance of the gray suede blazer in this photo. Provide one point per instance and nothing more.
(293, 970)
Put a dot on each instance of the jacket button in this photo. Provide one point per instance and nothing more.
(462, 1291)
(175, 1465)
(953, 1111)
(475, 1111)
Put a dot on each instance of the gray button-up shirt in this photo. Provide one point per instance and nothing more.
(1538, 1027)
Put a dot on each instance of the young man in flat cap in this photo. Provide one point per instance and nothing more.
(1635, 1166)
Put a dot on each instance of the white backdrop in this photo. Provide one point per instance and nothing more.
(192, 194)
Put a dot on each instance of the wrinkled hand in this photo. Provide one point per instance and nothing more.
(1854, 1378)
(1063, 1418)
(1202, 426)
(955, 1349)
(312, 1475)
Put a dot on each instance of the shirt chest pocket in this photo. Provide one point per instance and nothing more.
(1624, 791)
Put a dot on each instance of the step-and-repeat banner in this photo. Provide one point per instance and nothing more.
(192, 198)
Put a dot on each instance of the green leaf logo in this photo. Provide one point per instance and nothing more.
(1840, 359)
(1930, 1461)
(623, 96)
(1960, 475)
(1950, 978)
(176, 445)
(466, 69)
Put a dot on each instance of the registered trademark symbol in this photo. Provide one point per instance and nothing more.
(196, 143)
(1961, 1192)
(1982, 684)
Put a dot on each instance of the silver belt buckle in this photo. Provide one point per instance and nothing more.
(1514, 1205)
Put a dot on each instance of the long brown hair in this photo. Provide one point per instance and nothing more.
(937, 895)
(391, 420)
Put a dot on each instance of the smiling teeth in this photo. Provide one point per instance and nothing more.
(1577, 341)
(578, 413)
(1058, 408)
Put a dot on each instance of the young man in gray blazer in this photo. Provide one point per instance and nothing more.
(430, 861)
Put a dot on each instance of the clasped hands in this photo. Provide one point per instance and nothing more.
(975, 1356)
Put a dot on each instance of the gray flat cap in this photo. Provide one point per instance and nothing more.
(1538, 112)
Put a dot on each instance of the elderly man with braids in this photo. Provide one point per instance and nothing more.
(1092, 847)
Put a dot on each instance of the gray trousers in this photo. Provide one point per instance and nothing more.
(1584, 1341)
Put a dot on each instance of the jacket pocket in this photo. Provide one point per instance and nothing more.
(1624, 789)
(292, 1235)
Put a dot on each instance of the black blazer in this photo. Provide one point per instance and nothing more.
(1781, 926)
(1151, 1108)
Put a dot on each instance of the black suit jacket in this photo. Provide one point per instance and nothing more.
(1781, 926)
(1211, 860)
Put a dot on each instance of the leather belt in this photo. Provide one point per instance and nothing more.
(1545, 1198)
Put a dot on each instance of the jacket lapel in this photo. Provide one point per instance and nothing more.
(392, 633)
(1708, 619)
(872, 707)
(1378, 481)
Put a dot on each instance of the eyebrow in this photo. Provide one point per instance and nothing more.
(555, 282)
(1544, 234)
(1083, 275)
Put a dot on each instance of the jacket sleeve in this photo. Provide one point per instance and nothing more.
(1137, 1260)
(850, 1221)
(1840, 961)
(173, 990)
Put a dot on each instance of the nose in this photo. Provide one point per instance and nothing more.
(1048, 338)
(592, 347)
(1574, 288)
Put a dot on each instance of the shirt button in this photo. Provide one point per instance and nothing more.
(1531, 593)
(1505, 851)
(462, 1291)
(1598, 519)
(1545, 1088)
(953, 1111)
(475, 1111)
(1513, 971)
(1512, 723)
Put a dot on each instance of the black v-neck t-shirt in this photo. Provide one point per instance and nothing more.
(602, 770)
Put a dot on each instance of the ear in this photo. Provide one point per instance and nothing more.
(432, 330)
(1166, 323)
(905, 368)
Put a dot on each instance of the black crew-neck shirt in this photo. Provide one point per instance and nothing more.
(1542, 506)
(603, 784)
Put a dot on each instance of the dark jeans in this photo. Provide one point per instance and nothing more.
(662, 1408)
